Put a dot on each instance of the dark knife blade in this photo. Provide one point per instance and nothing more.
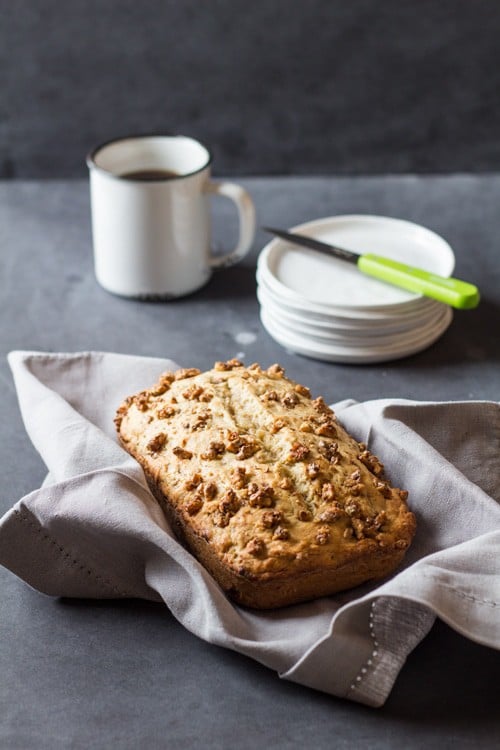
(310, 242)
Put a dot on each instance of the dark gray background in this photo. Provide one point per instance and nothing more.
(273, 86)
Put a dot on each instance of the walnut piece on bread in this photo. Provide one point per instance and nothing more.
(263, 484)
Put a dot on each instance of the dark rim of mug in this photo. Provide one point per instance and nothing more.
(91, 156)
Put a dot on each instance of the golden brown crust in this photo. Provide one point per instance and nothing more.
(264, 485)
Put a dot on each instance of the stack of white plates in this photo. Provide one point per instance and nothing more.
(325, 308)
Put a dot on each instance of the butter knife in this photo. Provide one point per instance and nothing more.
(450, 291)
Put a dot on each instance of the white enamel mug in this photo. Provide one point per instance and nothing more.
(150, 211)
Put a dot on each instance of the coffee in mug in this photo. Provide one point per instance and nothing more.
(150, 175)
(151, 216)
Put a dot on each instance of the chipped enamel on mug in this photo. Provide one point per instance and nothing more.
(151, 225)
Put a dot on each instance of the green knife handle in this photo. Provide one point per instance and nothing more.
(451, 291)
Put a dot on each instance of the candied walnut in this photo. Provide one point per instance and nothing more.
(290, 400)
(206, 396)
(271, 518)
(352, 508)
(221, 519)
(278, 425)
(215, 451)
(239, 477)
(187, 372)
(304, 515)
(246, 451)
(157, 443)
(305, 427)
(357, 489)
(348, 533)
(313, 469)
(276, 370)
(229, 365)
(286, 484)
(181, 452)
(377, 468)
(201, 420)
(193, 393)
(328, 416)
(356, 475)
(122, 410)
(193, 482)
(371, 462)
(242, 446)
(303, 390)
(384, 489)
(229, 502)
(299, 452)
(323, 535)
(330, 451)
(331, 514)
(359, 528)
(255, 367)
(166, 412)
(328, 492)
(260, 497)
(194, 505)
(270, 396)
(210, 490)
(327, 429)
(256, 547)
(163, 384)
(141, 400)
(319, 405)
(281, 533)
(159, 388)
(373, 524)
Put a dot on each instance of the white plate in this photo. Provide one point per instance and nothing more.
(361, 355)
(366, 323)
(306, 276)
(327, 312)
(349, 340)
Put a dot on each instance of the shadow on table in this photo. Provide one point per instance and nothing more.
(448, 683)
(449, 680)
(473, 336)
(230, 283)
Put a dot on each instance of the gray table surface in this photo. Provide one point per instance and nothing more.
(86, 674)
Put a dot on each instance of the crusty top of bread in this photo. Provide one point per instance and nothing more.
(264, 473)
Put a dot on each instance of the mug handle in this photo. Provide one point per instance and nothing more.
(246, 213)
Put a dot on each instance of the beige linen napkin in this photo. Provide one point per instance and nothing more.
(94, 530)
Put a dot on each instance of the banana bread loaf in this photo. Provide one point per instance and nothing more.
(263, 485)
